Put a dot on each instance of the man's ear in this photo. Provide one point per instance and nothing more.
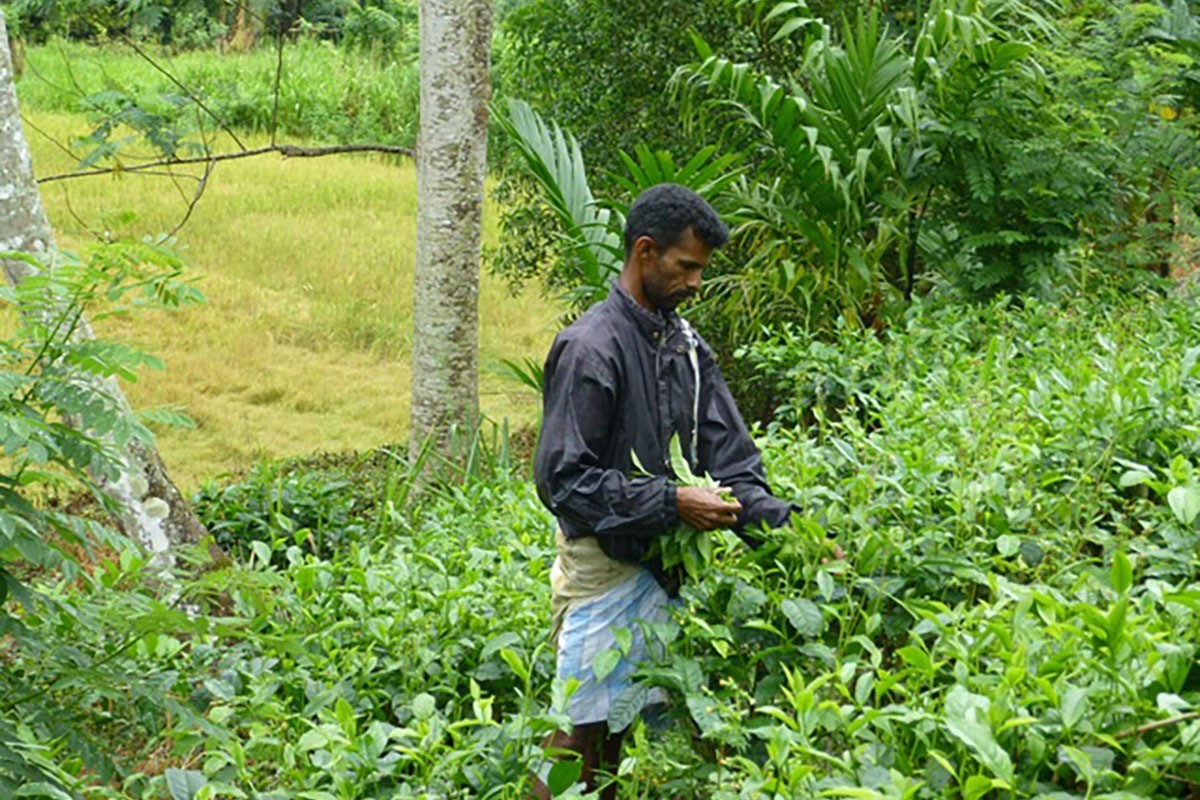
(645, 248)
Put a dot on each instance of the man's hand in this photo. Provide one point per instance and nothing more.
(705, 509)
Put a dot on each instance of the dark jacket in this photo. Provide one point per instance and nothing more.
(621, 379)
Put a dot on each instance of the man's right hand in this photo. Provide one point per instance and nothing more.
(705, 509)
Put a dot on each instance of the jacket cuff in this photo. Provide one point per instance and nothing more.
(671, 506)
(777, 513)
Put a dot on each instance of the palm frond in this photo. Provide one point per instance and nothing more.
(590, 232)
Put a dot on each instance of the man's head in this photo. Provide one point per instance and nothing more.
(670, 234)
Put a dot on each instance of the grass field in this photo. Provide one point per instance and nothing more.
(326, 93)
(304, 345)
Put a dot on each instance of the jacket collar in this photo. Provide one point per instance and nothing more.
(652, 323)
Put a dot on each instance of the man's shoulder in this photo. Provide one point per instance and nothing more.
(595, 329)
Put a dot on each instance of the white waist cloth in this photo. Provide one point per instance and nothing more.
(593, 596)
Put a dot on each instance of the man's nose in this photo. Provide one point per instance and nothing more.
(693, 280)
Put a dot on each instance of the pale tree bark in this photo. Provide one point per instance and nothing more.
(247, 26)
(152, 510)
(455, 37)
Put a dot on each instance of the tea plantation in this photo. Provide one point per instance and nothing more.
(1017, 615)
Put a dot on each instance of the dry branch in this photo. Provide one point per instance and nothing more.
(1162, 723)
(285, 150)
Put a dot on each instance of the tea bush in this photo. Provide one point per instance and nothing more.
(1017, 616)
(1018, 613)
(273, 505)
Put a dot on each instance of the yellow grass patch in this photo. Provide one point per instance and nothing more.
(304, 344)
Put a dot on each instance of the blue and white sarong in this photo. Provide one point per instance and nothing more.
(623, 597)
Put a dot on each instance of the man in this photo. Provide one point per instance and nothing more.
(625, 378)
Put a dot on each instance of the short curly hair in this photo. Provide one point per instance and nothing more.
(665, 212)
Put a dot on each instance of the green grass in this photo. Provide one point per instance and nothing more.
(304, 344)
(326, 94)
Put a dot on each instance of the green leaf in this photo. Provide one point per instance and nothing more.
(515, 664)
(916, 657)
(825, 584)
(1122, 573)
(1008, 545)
(1135, 477)
(312, 740)
(1032, 553)
(345, 717)
(605, 662)
(563, 775)
(976, 787)
(804, 615)
(169, 416)
(679, 464)
(626, 707)
(1185, 503)
(424, 706)
(967, 720)
(704, 711)
(42, 789)
(183, 784)
(498, 642)
(1074, 706)
(262, 552)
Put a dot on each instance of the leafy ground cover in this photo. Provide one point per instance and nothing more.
(1017, 616)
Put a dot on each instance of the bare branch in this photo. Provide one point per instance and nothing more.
(33, 127)
(1162, 723)
(71, 210)
(200, 187)
(279, 64)
(168, 174)
(190, 94)
(285, 150)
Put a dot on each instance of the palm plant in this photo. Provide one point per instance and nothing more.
(840, 158)
(592, 229)
(592, 244)
(1179, 30)
(827, 196)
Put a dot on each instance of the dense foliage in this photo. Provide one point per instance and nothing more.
(386, 28)
(1017, 615)
(968, 148)
(63, 431)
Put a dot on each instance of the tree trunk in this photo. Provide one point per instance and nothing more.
(16, 51)
(152, 510)
(247, 27)
(455, 42)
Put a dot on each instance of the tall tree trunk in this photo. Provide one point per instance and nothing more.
(247, 26)
(152, 510)
(455, 41)
(16, 51)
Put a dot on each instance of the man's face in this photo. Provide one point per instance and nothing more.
(671, 277)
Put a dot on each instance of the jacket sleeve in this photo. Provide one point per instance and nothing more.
(728, 453)
(573, 481)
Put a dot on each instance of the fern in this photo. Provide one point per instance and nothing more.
(979, 180)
